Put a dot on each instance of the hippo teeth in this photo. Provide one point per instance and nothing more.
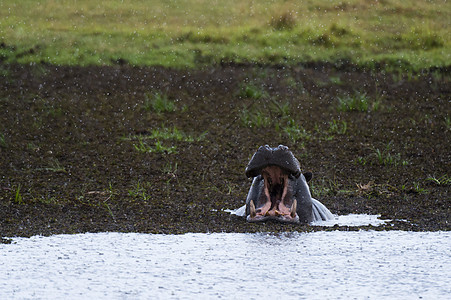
(252, 209)
(293, 208)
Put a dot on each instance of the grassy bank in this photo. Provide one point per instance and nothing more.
(394, 34)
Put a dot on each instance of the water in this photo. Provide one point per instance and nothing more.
(323, 217)
(320, 265)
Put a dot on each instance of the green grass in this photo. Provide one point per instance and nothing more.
(18, 196)
(442, 180)
(157, 147)
(54, 166)
(151, 143)
(281, 110)
(338, 127)
(383, 157)
(295, 132)
(324, 188)
(356, 102)
(335, 80)
(447, 123)
(3, 143)
(139, 191)
(251, 91)
(158, 103)
(395, 34)
(255, 119)
(418, 189)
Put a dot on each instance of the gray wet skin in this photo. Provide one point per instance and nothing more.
(279, 190)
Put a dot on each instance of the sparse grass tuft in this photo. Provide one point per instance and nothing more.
(282, 110)
(335, 80)
(418, 189)
(295, 132)
(18, 197)
(3, 143)
(442, 180)
(356, 102)
(329, 188)
(256, 119)
(158, 147)
(54, 166)
(173, 134)
(139, 191)
(158, 134)
(338, 127)
(383, 157)
(447, 123)
(252, 91)
(158, 103)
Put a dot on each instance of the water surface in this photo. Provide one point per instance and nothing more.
(320, 265)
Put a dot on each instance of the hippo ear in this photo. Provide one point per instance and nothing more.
(308, 176)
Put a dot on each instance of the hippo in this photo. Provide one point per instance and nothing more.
(279, 189)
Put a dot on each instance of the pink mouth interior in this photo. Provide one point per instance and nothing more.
(276, 185)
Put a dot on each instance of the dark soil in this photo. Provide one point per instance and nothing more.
(69, 164)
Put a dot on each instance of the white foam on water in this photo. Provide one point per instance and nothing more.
(320, 265)
(352, 220)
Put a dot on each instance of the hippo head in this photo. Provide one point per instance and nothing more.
(280, 157)
(276, 172)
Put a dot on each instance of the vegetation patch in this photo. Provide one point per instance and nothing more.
(295, 132)
(192, 34)
(252, 91)
(144, 147)
(383, 157)
(357, 102)
(158, 103)
(152, 141)
(140, 192)
(3, 143)
(338, 127)
(442, 180)
(54, 166)
(255, 118)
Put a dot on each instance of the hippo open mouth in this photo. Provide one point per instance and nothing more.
(271, 196)
(279, 189)
(274, 203)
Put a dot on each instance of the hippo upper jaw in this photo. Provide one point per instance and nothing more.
(275, 201)
(266, 156)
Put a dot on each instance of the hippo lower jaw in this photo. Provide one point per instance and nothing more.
(281, 215)
(275, 204)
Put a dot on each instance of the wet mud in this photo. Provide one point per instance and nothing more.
(89, 149)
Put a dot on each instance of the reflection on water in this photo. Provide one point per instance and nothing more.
(320, 265)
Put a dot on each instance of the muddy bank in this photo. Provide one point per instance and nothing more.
(164, 151)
